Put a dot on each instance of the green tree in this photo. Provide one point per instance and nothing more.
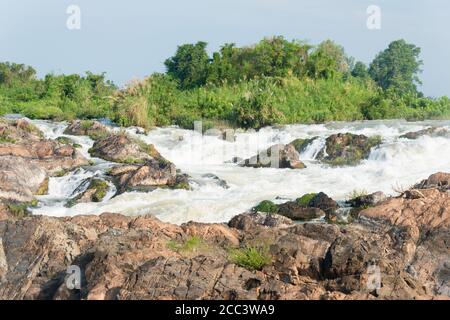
(189, 65)
(328, 60)
(360, 70)
(397, 67)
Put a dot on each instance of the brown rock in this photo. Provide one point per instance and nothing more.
(277, 156)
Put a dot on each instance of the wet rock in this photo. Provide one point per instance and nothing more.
(277, 156)
(147, 176)
(368, 199)
(92, 128)
(433, 131)
(301, 144)
(123, 149)
(347, 148)
(220, 182)
(95, 192)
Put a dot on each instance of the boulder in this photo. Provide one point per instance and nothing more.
(323, 202)
(440, 180)
(148, 176)
(277, 156)
(433, 131)
(92, 128)
(347, 148)
(20, 179)
(123, 149)
(294, 211)
(368, 199)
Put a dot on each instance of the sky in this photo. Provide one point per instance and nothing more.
(131, 39)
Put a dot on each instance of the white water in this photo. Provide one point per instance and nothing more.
(397, 163)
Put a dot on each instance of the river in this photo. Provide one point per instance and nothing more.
(396, 164)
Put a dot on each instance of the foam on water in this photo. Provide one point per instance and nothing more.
(397, 163)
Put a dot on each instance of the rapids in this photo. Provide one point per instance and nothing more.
(396, 164)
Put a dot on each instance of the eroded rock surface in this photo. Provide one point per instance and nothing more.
(406, 241)
(27, 160)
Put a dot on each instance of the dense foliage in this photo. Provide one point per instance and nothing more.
(272, 82)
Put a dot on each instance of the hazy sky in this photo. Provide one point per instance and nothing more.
(132, 38)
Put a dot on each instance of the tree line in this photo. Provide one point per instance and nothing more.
(272, 81)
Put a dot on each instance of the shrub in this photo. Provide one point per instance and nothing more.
(251, 258)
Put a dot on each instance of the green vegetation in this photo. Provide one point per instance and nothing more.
(305, 199)
(356, 194)
(20, 209)
(275, 81)
(101, 188)
(187, 246)
(251, 258)
(43, 188)
(266, 206)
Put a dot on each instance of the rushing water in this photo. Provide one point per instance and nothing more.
(396, 164)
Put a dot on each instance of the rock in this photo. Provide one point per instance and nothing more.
(324, 202)
(95, 192)
(18, 131)
(300, 145)
(27, 160)
(146, 176)
(20, 179)
(94, 129)
(440, 180)
(294, 211)
(347, 148)
(433, 131)
(123, 149)
(277, 156)
(247, 221)
(404, 243)
(220, 182)
(303, 208)
(368, 200)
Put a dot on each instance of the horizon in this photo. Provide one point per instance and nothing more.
(148, 33)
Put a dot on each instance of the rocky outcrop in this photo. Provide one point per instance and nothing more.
(92, 128)
(277, 156)
(27, 160)
(440, 180)
(433, 131)
(347, 148)
(148, 176)
(123, 149)
(397, 249)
